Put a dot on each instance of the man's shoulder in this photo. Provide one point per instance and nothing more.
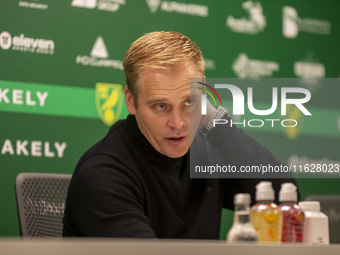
(113, 139)
(112, 146)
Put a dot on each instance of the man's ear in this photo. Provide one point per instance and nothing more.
(129, 101)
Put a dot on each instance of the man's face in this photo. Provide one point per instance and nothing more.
(164, 107)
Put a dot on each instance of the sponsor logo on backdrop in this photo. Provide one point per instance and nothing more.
(310, 70)
(22, 97)
(309, 67)
(33, 148)
(102, 5)
(109, 102)
(245, 67)
(209, 64)
(24, 43)
(253, 24)
(177, 7)
(293, 24)
(31, 98)
(153, 5)
(33, 4)
(99, 57)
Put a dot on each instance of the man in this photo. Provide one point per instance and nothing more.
(136, 181)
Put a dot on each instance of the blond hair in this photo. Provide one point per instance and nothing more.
(159, 50)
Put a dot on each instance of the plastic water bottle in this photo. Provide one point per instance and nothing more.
(265, 214)
(316, 228)
(242, 229)
(292, 214)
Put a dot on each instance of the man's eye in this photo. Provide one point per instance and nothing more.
(160, 107)
(190, 102)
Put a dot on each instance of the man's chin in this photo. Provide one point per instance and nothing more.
(177, 153)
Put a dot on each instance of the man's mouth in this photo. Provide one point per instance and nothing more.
(176, 140)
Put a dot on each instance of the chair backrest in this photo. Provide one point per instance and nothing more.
(330, 205)
(41, 202)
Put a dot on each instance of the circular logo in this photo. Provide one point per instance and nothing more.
(5, 40)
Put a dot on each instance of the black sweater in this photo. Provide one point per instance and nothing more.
(122, 187)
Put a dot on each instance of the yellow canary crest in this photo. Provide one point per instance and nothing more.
(293, 113)
(109, 102)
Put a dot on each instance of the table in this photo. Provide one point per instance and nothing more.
(89, 246)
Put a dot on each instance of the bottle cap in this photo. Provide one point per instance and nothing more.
(310, 206)
(288, 192)
(241, 199)
(264, 191)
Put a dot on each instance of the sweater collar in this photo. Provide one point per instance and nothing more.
(147, 150)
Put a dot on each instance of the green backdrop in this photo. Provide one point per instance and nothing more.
(61, 78)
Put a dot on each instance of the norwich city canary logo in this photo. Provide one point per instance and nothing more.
(293, 113)
(109, 102)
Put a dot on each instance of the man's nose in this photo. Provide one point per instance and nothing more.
(176, 119)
